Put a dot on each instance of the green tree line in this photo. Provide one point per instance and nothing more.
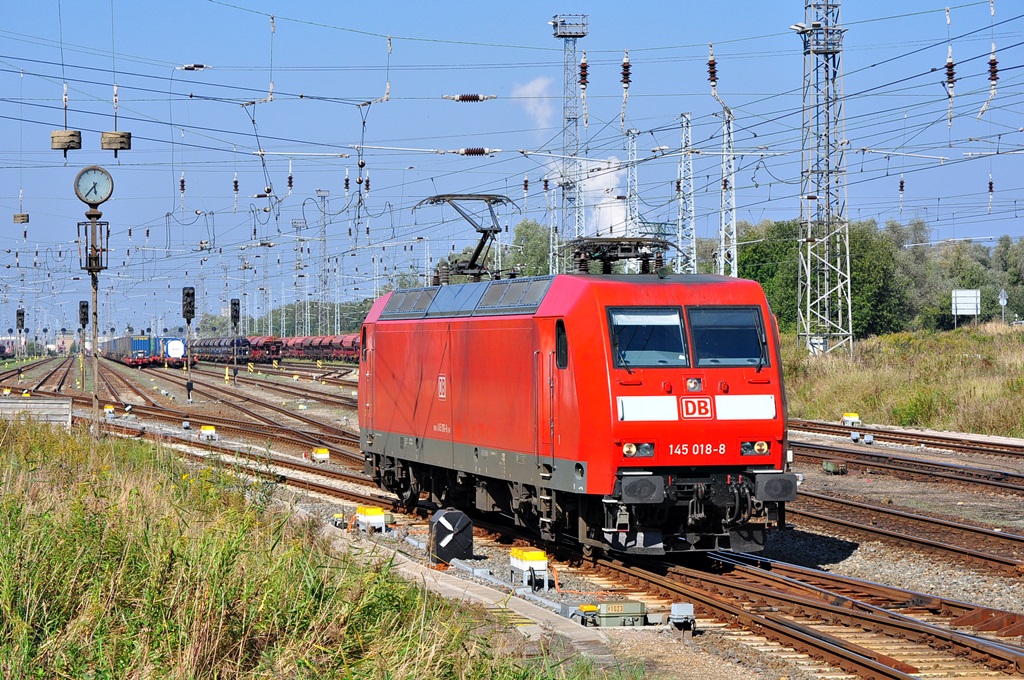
(898, 280)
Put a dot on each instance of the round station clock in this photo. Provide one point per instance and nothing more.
(93, 185)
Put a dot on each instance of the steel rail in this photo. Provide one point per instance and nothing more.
(1004, 564)
(994, 654)
(1010, 481)
(842, 654)
(952, 442)
(836, 589)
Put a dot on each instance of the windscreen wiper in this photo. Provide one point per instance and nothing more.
(619, 352)
(762, 356)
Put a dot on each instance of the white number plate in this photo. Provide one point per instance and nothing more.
(696, 449)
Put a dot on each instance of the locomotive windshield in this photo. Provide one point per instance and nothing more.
(647, 336)
(728, 336)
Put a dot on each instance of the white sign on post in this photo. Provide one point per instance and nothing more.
(966, 302)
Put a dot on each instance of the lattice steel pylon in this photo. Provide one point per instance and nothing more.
(323, 292)
(632, 190)
(824, 322)
(569, 27)
(686, 237)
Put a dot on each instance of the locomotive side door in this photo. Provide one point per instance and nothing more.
(366, 391)
(550, 350)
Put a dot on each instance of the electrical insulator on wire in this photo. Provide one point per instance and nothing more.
(584, 79)
(625, 88)
(366, 183)
(950, 81)
(991, 192)
(712, 69)
(475, 151)
(469, 97)
(545, 184)
(993, 76)
(901, 194)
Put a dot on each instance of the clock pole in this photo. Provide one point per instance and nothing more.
(93, 259)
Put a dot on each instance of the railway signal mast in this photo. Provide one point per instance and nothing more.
(569, 27)
(824, 319)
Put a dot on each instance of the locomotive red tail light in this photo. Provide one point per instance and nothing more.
(694, 385)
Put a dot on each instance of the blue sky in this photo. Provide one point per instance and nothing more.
(327, 60)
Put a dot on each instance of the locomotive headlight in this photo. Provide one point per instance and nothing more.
(629, 449)
(645, 450)
(754, 448)
(694, 384)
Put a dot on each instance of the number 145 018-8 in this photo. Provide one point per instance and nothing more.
(696, 449)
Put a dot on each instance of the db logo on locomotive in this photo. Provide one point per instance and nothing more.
(697, 407)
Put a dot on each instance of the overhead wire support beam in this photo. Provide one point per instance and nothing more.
(824, 309)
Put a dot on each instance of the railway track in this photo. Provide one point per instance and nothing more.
(951, 442)
(290, 390)
(1002, 626)
(260, 465)
(232, 398)
(860, 637)
(909, 465)
(996, 550)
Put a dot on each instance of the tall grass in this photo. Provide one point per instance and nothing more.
(970, 380)
(117, 561)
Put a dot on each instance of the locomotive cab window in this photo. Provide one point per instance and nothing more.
(728, 336)
(647, 337)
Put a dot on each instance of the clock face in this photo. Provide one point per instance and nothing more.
(94, 185)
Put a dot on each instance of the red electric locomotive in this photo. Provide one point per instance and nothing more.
(636, 413)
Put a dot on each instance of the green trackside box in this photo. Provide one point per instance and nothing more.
(834, 467)
(621, 613)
